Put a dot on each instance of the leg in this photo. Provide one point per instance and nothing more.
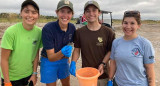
(63, 74)
(51, 84)
(66, 81)
(48, 72)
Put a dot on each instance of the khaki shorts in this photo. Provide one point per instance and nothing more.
(102, 82)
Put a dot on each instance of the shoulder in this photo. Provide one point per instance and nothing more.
(83, 28)
(117, 40)
(71, 25)
(143, 41)
(108, 32)
(48, 28)
(49, 25)
(37, 28)
(107, 29)
(14, 28)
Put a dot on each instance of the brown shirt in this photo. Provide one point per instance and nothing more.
(94, 45)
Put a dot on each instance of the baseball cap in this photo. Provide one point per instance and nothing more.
(30, 2)
(92, 2)
(64, 3)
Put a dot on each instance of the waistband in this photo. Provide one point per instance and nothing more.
(44, 56)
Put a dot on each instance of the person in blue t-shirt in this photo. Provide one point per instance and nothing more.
(56, 38)
(132, 56)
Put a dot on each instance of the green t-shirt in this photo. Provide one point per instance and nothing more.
(24, 45)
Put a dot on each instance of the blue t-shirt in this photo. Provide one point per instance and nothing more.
(54, 37)
(130, 57)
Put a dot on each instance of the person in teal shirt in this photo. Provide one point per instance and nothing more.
(20, 48)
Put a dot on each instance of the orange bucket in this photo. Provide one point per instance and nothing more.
(87, 76)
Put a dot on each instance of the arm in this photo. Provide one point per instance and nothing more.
(112, 69)
(52, 56)
(35, 65)
(48, 44)
(150, 74)
(65, 52)
(5, 53)
(105, 60)
(76, 54)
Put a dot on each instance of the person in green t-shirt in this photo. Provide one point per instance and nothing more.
(20, 48)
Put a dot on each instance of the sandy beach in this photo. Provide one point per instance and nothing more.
(149, 31)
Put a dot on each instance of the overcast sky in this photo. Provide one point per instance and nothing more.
(150, 9)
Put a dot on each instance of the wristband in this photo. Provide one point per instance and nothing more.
(103, 63)
(35, 73)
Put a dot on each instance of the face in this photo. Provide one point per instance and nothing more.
(29, 15)
(92, 13)
(130, 26)
(64, 15)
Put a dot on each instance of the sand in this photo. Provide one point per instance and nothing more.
(149, 31)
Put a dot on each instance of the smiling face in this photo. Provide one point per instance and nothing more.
(130, 26)
(29, 15)
(64, 15)
(92, 13)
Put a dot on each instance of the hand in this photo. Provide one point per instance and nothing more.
(110, 83)
(8, 84)
(33, 78)
(72, 68)
(101, 69)
(67, 50)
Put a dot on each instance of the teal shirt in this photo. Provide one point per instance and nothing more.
(24, 45)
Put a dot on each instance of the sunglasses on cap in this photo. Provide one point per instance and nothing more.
(131, 13)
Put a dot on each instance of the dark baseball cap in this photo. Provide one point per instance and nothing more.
(30, 2)
(92, 2)
(64, 3)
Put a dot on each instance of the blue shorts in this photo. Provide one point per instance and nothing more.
(51, 71)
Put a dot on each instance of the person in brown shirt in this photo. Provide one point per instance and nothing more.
(94, 41)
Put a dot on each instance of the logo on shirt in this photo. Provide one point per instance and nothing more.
(34, 42)
(100, 41)
(70, 36)
(151, 57)
(136, 52)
